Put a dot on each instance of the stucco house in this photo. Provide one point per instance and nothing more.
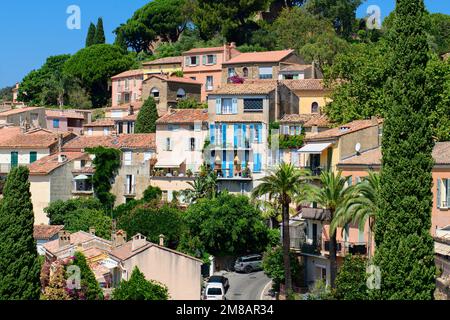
(101, 127)
(180, 138)
(205, 65)
(67, 120)
(22, 148)
(168, 90)
(44, 233)
(138, 152)
(127, 87)
(27, 117)
(168, 65)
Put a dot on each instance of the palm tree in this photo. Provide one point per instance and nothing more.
(281, 185)
(361, 207)
(332, 195)
(204, 186)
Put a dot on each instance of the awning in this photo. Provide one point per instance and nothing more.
(314, 148)
(81, 177)
(169, 163)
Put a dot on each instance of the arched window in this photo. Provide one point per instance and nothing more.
(245, 72)
(154, 93)
(181, 93)
(315, 107)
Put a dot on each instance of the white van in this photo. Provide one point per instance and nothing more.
(214, 291)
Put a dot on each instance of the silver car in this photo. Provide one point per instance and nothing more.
(248, 263)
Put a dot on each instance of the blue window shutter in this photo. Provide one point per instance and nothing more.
(252, 133)
(259, 133)
(234, 107)
(438, 193)
(212, 134)
(231, 171)
(246, 156)
(448, 192)
(224, 163)
(244, 135)
(224, 135)
(257, 162)
(235, 140)
(218, 106)
(350, 181)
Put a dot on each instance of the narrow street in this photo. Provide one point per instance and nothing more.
(245, 286)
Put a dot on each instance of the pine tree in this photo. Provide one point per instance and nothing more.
(404, 250)
(19, 263)
(146, 119)
(99, 33)
(90, 39)
(120, 41)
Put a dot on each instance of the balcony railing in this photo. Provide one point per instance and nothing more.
(234, 173)
(344, 248)
(315, 171)
(83, 191)
(312, 248)
(129, 190)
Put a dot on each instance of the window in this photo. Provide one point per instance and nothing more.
(197, 126)
(14, 159)
(191, 144)
(245, 72)
(227, 106)
(193, 61)
(127, 84)
(173, 127)
(135, 97)
(209, 59)
(55, 123)
(265, 72)
(315, 107)
(148, 155)
(89, 131)
(33, 156)
(127, 155)
(126, 97)
(118, 97)
(231, 72)
(181, 93)
(443, 193)
(155, 93)
(105, 131)
(209, 83)
(253, 105)
(194, 78)
(168, 144)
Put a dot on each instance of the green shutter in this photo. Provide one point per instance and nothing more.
(14, 159)
(33, 156)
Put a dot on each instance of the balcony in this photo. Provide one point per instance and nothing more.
(315, 170)
(129, 190)
(234, 173)
(314, 248)
(344, 248)
(244, 145)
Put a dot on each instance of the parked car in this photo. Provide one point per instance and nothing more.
(214, 291)
(220, 279)
(248, 263)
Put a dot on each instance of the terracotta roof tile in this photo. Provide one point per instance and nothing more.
(64, 114)
(45, 232)
(345, 129)
(136, 106)
(101, 123)
(255, 57)
(175, 79)
(260, 87)
(18, 110)
(129, 141)
(129, 73)
(201, 50)
(184, 116)
(34, 139)
(304, 84)
(441, 152)
(167, 60)
(49, 163)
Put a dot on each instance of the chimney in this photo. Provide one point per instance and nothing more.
(119, 238)
(314, 129)
(130, 110)
(138, 242)
(60, 142)
(161, 240)
(92, 231)
(63, 238)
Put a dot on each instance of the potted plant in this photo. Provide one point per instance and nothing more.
(189, 173)
(246, 173)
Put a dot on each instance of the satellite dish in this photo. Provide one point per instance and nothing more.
(358, 147)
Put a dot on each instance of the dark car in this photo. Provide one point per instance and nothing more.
(220, 279)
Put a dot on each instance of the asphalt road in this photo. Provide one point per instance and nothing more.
(245, 286)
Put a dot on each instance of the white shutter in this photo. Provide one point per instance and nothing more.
(234, 106)
(218, 106)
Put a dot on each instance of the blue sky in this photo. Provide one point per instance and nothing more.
(31, 30)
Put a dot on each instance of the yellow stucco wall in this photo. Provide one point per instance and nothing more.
(307, 98)
(40, 197)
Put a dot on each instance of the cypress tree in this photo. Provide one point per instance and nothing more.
(100, 33)
(19, 263)
(90, 39)
(404, 250)
(146, 119)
